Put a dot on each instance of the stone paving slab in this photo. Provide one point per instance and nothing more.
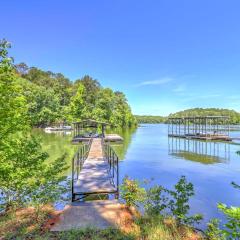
(99, 214)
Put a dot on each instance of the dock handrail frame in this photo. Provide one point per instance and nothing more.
(77, 162)
(113, 161)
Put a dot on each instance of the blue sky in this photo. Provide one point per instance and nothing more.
(164, 55)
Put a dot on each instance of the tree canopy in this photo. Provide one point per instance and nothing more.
(52, 98)
(150, 119)
(234, 116)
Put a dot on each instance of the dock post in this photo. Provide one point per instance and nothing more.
(78, 164)
(73, 196)
(117, 177)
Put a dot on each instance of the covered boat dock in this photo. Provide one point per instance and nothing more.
(203, 128)
(87, 129)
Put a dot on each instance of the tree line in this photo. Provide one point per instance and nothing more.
(150, 119)
(234, 116)
(53, 99)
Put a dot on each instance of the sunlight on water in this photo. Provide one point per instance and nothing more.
(148, 153)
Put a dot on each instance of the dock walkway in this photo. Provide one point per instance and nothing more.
(95, 177)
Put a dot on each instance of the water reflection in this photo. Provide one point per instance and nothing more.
(56, 144)
(205, 152)
(121, 148)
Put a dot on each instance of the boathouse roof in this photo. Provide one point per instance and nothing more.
(201, 117)
(91, 123)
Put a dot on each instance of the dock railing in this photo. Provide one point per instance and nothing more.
(113, 162)
(78, 161)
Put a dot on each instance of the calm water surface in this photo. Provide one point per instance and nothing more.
(148, 153)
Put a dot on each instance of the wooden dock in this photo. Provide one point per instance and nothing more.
(107, 138)
(215, 128)
(207, 137)
(97, 172)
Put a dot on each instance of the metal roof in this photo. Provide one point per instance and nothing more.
(200, 117)
(91, 121)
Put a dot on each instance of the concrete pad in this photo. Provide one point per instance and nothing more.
(99, 214)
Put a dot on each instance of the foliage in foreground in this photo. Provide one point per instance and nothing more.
(27, 224)
(164, 203)
(25, 177)
(161, 201)
(157, 227)
(231, 229)
(132, 193)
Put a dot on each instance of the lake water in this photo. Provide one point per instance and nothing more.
(148, 153)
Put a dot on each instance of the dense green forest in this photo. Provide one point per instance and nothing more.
(52, 98)
(234, 116)
(150, 119)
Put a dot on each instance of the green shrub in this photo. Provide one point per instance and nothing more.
(232, 227)
(213, 231)
(156, 201)
(132, 193)
(179, 204)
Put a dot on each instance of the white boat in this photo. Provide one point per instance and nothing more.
(61, 128)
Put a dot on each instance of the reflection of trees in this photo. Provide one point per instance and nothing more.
(121, 148)
(199, 151)
(56, 145)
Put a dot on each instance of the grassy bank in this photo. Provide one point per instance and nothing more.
(28, 224)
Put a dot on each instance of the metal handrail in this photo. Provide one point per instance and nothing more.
(78, 160)
(113, 161)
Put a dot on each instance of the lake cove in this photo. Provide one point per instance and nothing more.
(148, 154)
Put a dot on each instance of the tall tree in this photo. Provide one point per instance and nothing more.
(24, 175)
(77, 103)
(12, 102)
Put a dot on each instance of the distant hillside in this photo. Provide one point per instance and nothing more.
(234, 116)
(150, 119)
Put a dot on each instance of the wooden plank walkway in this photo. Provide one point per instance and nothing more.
(94, 176)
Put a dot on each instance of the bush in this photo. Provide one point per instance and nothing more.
(132, 193)
(159, 201)
(232, 227)
(26, 178)
(213, 232)
(156, 201)
(179, 204)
